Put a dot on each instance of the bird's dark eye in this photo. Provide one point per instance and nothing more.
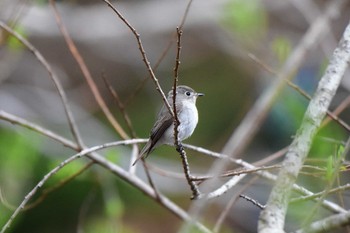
(188, 93)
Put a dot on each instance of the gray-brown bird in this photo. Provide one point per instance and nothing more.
(163, 129)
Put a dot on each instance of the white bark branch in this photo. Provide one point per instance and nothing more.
(328, 224)
(273, 217)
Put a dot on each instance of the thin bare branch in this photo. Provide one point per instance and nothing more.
(57, 186)
(264, 174)
(176, 80)
(341, 107)
(86, 73)
(274, 156)
(143, 53)
(162, 56)
(54, 78)
(120, 105)
(130, 178)
(255, 202)
(328, 224)
(230, 204)
(178, 145)
(316, 195)
(29, 125)
(333, 116)
(127, 119)
(237, 172)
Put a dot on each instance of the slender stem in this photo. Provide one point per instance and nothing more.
(161, 57)
(143, 54)
(178, 145)
(86, 73)
(303, 93)
(54, 78)
(176, 80)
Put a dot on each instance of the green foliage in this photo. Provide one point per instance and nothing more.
(282, 47)
(103, 225)
(327, 140)
(246, 17)
(12, 42)
(113, 155)
(329, 168)
(41, 2)
(18, 161)
(114, 207)
(67, 171)
(333, 165)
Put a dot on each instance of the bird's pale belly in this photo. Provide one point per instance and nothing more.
(187, 124)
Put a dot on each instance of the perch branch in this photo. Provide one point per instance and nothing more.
(178, 145)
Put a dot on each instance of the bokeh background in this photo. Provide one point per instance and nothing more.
(218, 37)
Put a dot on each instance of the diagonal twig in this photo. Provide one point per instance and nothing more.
(162, 56)
(330, 114)
(54, 78)
(120, 105)
(127, 119)
(29, 125)
(143, 54)
(230, 204)
(319, 194)
(86, 73)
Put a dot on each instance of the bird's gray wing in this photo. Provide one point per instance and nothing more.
(161, 125)
(159, 128)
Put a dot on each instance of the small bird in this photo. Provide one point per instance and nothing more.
(163, 129)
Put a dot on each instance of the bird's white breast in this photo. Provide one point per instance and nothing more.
(188, 117)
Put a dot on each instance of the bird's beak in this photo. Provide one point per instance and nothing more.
(200, 94)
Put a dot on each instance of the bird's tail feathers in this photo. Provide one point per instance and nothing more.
(144, 152)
